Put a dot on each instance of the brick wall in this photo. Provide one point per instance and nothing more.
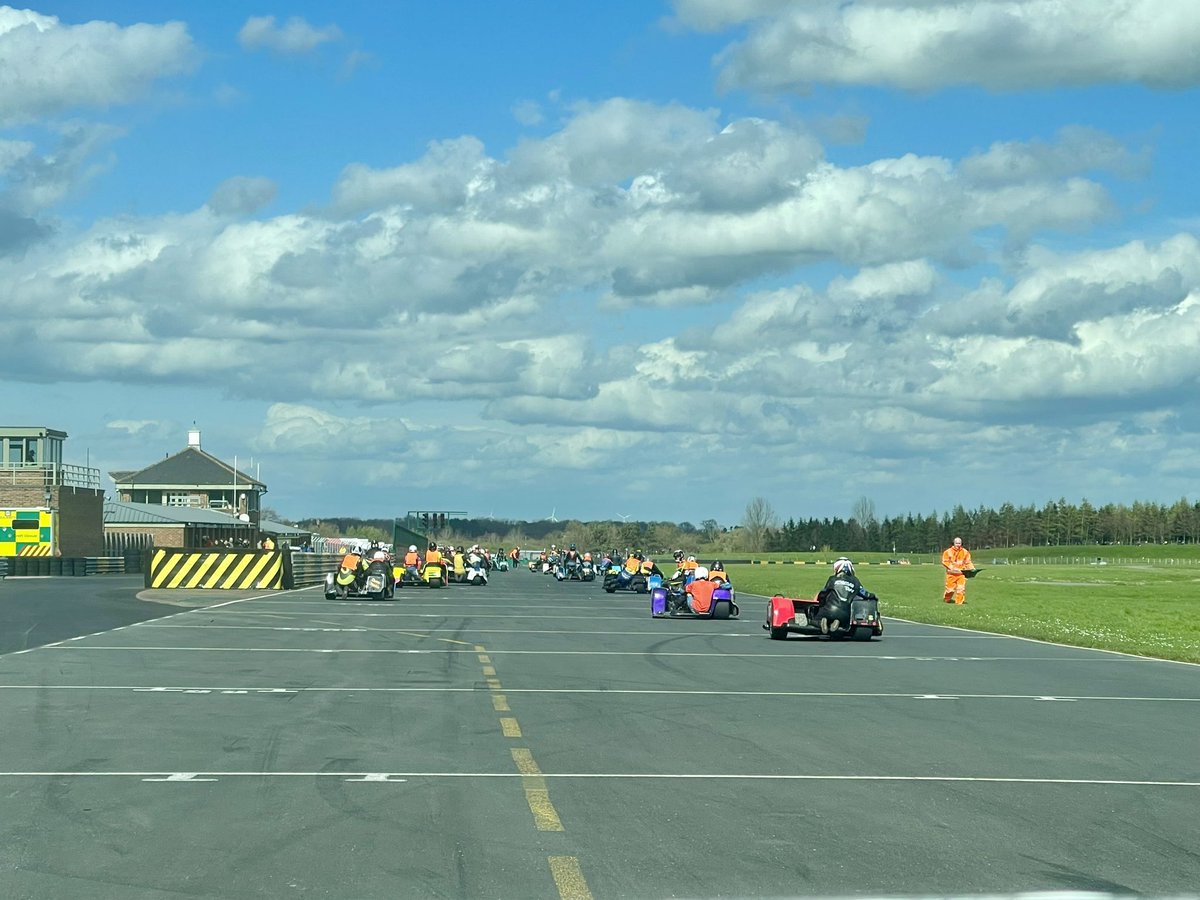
(20, 497)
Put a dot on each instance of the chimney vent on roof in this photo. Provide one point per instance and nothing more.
(194, 438)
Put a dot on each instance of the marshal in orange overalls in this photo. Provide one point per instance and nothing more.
(955, 560)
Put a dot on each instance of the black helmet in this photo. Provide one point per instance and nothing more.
(572, 547)
(717, 566)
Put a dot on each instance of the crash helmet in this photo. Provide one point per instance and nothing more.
(678, 555)
(572, 547)
(701, 573)
(843, 566)
(380, 553)
(412, 548)
(717, 566)
(691, 559)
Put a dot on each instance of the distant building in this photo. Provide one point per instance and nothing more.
(47, 507)
(193, 479)
(143, 525)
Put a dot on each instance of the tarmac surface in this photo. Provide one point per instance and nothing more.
(531, 739)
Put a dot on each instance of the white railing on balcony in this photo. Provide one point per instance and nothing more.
(49, 475)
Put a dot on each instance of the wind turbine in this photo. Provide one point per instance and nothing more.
(624, 516)
(553, 517)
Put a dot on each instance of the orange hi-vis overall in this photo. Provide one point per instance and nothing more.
(958, 558)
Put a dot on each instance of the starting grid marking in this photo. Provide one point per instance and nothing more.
(657, 632)
(1084, 656)
(503, 706)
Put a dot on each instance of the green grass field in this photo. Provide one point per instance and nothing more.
(1149, 609)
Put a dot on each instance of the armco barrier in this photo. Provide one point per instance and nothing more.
(101, 565)
(216, 569)
(303, 569)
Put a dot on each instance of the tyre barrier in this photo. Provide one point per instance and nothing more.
(216, 569)
(54, 566)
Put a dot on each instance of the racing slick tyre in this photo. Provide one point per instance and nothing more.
(777, 633)
(863, 633)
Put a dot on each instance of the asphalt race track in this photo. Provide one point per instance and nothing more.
(532, 739)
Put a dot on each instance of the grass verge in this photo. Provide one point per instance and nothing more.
(1146, 610)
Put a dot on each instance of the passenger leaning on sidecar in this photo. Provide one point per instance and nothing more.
(354, 562)
(649, 567)
(633, 565)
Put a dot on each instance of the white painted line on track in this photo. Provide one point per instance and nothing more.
(901, 695)
(960, 630)
(612, 776)
(869, 657)
(183, 612)
(657, 632)
(343, 609)
(429, 631)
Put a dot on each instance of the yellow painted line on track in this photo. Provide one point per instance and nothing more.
(545, 817)
(493, 684)
(510, 727)
(568, 878)
(489, 671)
(485, 659)
(500, 703)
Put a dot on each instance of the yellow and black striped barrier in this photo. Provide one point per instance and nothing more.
(216, 569)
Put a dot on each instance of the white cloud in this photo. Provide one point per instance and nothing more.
(295, 37)
(998, 44)
(51, 68)
(242, 195)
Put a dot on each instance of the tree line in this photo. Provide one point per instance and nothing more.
(1056, 523)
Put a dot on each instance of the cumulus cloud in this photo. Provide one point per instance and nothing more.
(295, 37)
(997, 44)
(241, 195)
(443, 309)
(51, 68)
(628, 204)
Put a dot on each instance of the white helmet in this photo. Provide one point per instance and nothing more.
(412, 548)
(701, 573)
(843, 566)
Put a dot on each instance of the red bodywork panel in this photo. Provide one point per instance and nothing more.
(787, 609)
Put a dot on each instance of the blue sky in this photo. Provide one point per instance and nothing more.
(611, 258)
